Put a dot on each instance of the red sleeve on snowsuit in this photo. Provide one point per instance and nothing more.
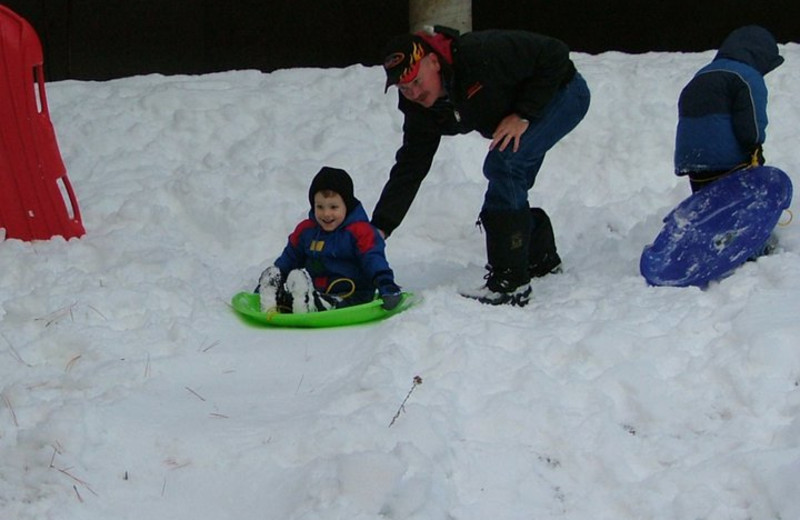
(294, 238)
(365, 235)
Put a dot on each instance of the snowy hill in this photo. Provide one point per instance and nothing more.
(130, 390)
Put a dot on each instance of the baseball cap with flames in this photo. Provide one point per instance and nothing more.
(402, 57)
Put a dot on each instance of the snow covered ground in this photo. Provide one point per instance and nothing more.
(130, 390)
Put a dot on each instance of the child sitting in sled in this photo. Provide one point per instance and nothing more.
(334, 258)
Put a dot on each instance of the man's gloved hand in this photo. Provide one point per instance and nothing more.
(391, 295)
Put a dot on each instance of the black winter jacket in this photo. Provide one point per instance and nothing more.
(492, 74)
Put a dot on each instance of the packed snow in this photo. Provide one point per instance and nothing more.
(131, 390)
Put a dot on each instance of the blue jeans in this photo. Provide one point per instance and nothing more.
(511, 174)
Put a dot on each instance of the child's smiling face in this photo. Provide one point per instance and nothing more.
(329, 210)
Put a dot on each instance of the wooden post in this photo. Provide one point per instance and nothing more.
(451, 13)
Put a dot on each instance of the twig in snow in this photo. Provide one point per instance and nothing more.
(195, 393)
(76, 479)
(14, 352)
(415, 383)
(98, 312)
(57, 315)
(53, 458)
(78, 494)
(57, 449)
(7, 401)
(71, 363)
(214, 344)
(147, 367)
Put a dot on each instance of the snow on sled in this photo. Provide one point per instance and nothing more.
(717, 229)
(248, 305)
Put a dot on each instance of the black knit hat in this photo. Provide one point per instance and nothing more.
(337, 181)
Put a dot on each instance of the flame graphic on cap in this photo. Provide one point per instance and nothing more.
(417, 53)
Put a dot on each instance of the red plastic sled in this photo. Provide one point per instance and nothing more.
(33, 179)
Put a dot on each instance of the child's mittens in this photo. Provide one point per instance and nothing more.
(391, 295)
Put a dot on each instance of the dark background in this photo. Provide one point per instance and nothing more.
(104, 39)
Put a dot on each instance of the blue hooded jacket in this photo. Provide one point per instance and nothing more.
(354, 251)
(723, 109)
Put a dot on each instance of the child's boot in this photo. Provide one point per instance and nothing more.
(304, 297)
(268, 286)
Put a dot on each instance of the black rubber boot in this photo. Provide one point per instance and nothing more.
(507, 240)
(542, 256)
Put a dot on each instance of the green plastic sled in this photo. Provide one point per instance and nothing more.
(248, 305)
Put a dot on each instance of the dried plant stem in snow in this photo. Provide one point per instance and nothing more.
(7, 402)
(415, 383)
